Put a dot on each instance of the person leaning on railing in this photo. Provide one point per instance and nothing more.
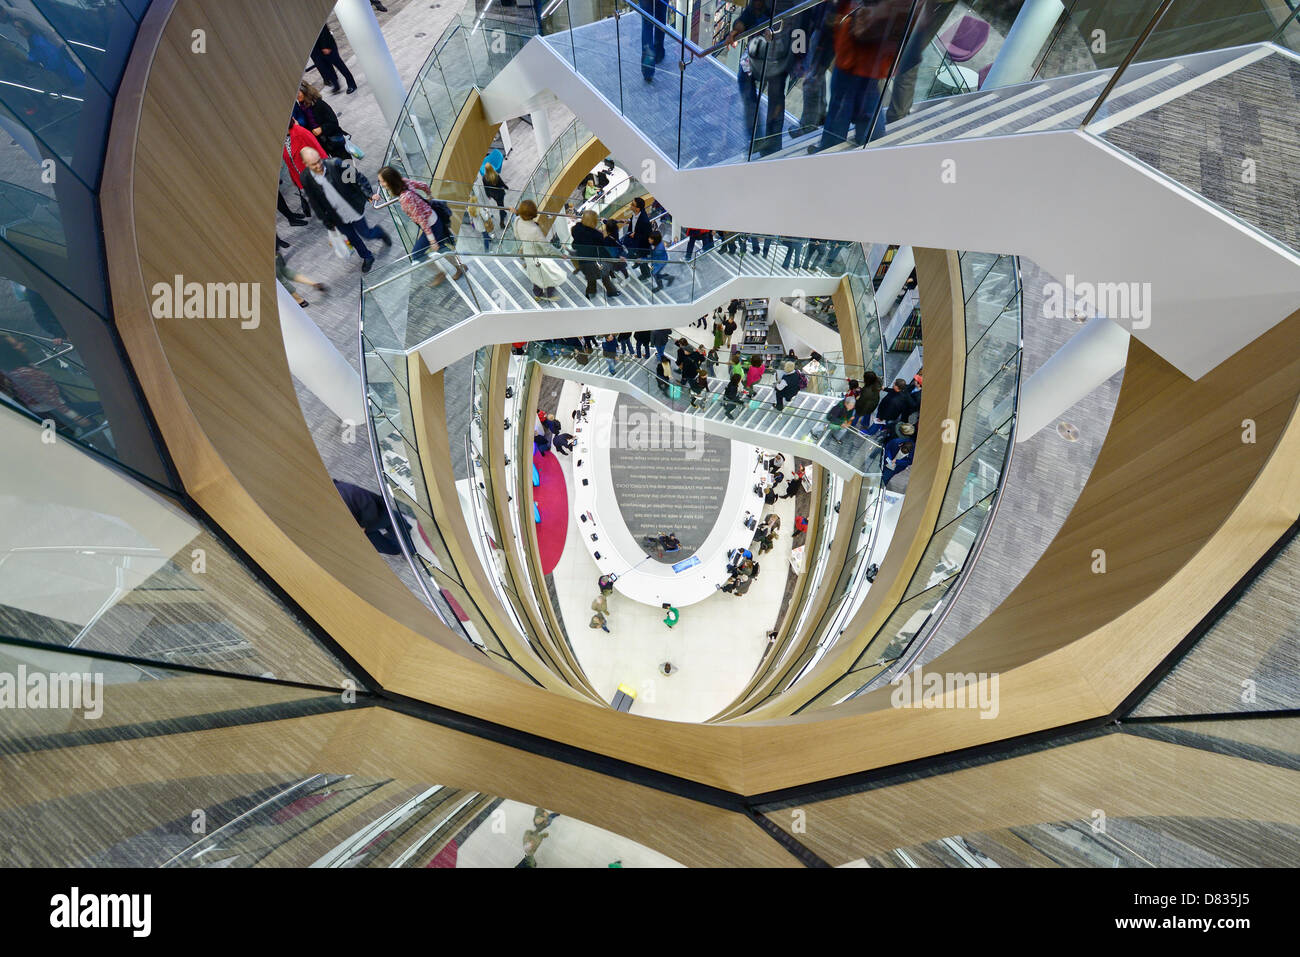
(839, 415)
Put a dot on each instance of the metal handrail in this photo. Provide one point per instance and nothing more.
(492, 206)
(549, 350)
(434, 255)
(1132, 53)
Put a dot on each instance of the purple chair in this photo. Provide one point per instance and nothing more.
(966, 39)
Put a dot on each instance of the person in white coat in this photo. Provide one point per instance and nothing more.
(545, 274)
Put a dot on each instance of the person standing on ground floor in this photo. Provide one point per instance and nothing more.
(372, 515)
(297, 139)
(338, 197)
(289, 277)
(325, 55)
(311, 110)
(719, 332)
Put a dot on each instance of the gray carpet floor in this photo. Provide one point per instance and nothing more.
(1046, 474)
(1202, 139)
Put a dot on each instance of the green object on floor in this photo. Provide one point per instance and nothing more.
(616, 864)
(673, 616)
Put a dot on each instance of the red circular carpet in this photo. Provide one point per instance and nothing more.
(552, 498)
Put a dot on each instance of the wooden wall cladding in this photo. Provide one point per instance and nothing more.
(1119, 774)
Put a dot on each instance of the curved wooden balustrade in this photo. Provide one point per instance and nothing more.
(1181, 506)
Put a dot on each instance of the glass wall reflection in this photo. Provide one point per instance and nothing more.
(94, 560)
(60, 359)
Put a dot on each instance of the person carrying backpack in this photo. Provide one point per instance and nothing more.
(431, 216)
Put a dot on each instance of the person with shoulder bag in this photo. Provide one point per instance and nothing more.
(432, 216)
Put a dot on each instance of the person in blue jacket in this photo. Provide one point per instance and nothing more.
(659, 256)
(897, 457)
